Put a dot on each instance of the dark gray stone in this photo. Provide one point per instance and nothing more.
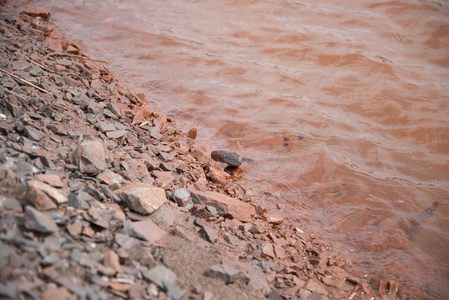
(227, 157)
(37, 221)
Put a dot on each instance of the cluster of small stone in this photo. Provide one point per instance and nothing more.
(101, 197)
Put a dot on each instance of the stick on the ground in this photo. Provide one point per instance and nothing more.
(74, 55)
(27, 82)
(36, 63)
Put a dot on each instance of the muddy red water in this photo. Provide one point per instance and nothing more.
(340, 107)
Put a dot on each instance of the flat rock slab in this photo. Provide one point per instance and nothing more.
(113, 180)
(51, 179)
(145, 230)
(142, 198)
(56, 195)
(225, 205)
(225, 272)
(37, 221)
(90, 157)
(160, 275)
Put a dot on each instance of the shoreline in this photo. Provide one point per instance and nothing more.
(207, 241)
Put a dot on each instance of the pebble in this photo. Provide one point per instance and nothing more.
(192, 133)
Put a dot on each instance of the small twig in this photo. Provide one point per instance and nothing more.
(27, 82)
(36, 63)
(74, 55)
(49, 70)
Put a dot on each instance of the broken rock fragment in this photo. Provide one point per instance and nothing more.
(90, 157)
(225, 205)
(223, 271)
(37, 221)
(142, 198)
(166, 280)
(56, 195)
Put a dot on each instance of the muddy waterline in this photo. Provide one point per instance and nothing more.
(339, 107)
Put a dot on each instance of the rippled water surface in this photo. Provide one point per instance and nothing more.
(343, 105)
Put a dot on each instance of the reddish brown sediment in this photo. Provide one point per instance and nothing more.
(78, 235)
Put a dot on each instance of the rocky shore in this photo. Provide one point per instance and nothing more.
(102, 197)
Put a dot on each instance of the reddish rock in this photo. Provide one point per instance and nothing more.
(116, 134)
(113, 180)
(279, 251)
(111, 260)
(39, 199)
(268, 250)
(142, 198)
(118, 211)
(314, 286)
(274, 219)
(218, 176)
(37, 11)
(72, 50)
(75, 228)
(56, 195)
(60, 293)
(88, 231)
(35, 152)
(225, 205)
(192, 133)
(117, 286)
(163, 178)
(51, 179)
(148, 231)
